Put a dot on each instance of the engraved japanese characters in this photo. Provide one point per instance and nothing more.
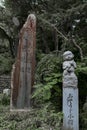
(70, 93)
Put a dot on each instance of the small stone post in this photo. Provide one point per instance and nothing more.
(22, 78)
(70, 93)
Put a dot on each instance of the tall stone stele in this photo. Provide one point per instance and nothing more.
(70, 93)
(22, 78)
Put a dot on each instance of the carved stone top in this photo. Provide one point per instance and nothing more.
(69, 65)
(31, 21)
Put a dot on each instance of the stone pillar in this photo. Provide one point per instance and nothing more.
(70, 93)
(22, 78)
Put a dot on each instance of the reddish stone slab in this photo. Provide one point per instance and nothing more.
(23, 70)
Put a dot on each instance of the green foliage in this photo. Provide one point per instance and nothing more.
(49, 13)
(48, 68)
(82, 67)
(4, 99)
(81, 72)
(35, 119)
(48, 80)
(83, 120)
(6, 60)
(5, 64)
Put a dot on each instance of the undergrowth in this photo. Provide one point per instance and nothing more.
(35, 119)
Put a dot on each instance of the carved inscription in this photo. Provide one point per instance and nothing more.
(23, 73)
(70, 93)
(70, 103)
(70, 109)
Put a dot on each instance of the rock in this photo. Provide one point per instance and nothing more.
(6, 92)
(22, 79)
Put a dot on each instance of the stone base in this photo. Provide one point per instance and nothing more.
(70, 109)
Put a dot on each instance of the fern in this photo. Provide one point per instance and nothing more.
(48, 79)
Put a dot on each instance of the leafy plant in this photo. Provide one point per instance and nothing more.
(48, 80)
(5, 64)
(81, 72)
(4, 99)
(35, 119)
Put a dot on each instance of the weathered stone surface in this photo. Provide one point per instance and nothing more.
(69, 65)
(70, 81)
(23, 69)
(6, 92)
(70, 93)
(70, 109)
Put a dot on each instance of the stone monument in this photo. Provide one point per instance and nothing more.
(70, 93)
(22, 78)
